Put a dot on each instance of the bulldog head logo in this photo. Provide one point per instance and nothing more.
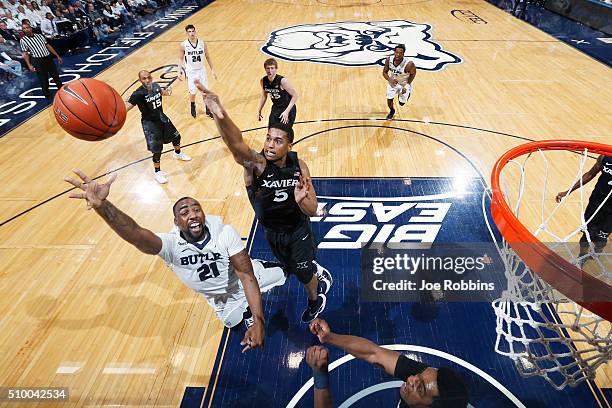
(354, 43)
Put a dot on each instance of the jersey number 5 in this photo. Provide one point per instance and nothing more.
(207, 271)
(280, 195)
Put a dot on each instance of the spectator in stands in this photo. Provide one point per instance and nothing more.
(11, 6)
(48, 26)
(7, 34)
(69, 15)
(93, 14)
(48, 7)
(12, 23)
(104, 34)
(120, 12)
(11, 49)
(32, 14)
(109, 17)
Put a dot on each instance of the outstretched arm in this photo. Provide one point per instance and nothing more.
(284, 117)
(317, 358)
(586, 177)
(231, 135)
(254, 336)
(95, 195)
(361, 348)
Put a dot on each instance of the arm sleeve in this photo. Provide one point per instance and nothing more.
(230, 239)
(24, 48)
(406, 367)
(168, 241)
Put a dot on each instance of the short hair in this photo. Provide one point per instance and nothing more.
(401, 47)
(452, 388)
(270, 61)
(285, 128)
(181, 199)
(189, 27)
(25, 22)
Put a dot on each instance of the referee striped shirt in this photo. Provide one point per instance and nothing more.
(35, 45)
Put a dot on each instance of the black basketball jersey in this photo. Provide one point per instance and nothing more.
(149, 103)
(280, 97)
(604, 183)
(271, 196)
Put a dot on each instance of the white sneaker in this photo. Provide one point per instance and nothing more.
(181, 156)
(160, 177)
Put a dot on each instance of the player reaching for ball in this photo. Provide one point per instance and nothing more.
(157, 127)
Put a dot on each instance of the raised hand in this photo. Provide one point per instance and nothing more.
(302, 189)
(254, 337)
(317, 358)
(210, 99)
(320, 328)
(92, 192)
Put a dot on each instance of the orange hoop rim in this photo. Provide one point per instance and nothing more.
(568, 279)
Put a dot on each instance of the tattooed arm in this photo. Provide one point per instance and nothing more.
(95, 195)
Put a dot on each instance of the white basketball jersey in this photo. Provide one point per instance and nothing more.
(396, 70)
(204, 266)
(194, 56)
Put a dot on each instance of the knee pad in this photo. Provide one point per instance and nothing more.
(156, 157)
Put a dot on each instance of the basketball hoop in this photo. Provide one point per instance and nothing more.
(554, 318)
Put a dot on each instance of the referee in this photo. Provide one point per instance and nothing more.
(37, 55)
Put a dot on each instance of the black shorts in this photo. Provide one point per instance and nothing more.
(276, 112)
(601, 225)
(295, 250)
(158, 133)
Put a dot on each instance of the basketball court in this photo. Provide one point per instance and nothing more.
(80, 308)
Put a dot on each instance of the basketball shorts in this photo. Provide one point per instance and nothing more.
(403, 92)
(192, 76)
(295, 250)
(600, 226)
(276, 112)
(230, 307)
(158, 133)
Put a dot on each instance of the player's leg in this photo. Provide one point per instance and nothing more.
(597, 220)
(303, 249)
(404, 94)
(153, 135)
(201, 75)
(292, 115)
(171, 135)
(192, 92)
(390, 96)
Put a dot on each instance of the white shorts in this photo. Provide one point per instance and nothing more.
(403, 92)
(192, 76)
(231, 306)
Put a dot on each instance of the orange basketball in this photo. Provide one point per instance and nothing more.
(89, 109)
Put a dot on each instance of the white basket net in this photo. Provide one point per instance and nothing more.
(545, 333)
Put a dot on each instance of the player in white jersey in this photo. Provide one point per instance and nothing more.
(399, 73)
(191, 64)
(207, 255)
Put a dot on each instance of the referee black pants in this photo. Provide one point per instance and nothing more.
(45, 67)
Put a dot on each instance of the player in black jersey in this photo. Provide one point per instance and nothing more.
(157, 127)
(599, 228)
(282, 94)
(283, 197)
(424, 386)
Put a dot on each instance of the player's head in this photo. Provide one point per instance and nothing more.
(399, 50)
(145, 78)
(189, 217)
(191, 31)
(270, 65)
(436, 388)
(278, 141)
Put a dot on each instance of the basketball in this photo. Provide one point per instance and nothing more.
(89, 109)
